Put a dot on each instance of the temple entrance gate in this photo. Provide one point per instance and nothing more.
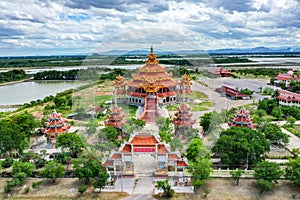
(144, 164)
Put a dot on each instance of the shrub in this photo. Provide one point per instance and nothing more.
(37, 184)
(82, 189)
(8, 162)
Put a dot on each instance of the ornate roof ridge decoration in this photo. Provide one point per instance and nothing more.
(152, 57)
(151, 86)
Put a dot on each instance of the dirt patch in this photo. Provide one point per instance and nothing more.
(225, 189)
(63, 188)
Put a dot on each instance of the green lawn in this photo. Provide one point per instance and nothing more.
(128, 110)
(194, 106)
(297, 127)
(100, 100)
(197, 95)
(207, 103)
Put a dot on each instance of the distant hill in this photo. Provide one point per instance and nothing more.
(256, 50)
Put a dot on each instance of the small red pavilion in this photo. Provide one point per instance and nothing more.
(183, 118)
(55, 126)
(242, 118)
(116, 117)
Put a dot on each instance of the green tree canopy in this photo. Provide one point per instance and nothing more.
(86, 167)
(273, 133)
(292, 170)
(200, 170)
(269, 171)
(196, 149)
(236, 175)
(53, 170)
(100, 180)
(72, 142)
(25, 167)
(238, 146)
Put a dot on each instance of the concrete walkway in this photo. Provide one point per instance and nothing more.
(294, 141)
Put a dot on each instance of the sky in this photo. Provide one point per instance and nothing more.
(69, 27)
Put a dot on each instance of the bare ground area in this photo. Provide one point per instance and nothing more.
(224, 189)
(63, 188)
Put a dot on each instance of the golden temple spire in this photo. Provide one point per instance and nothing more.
(151, 57)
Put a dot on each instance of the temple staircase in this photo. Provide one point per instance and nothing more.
(150, 109)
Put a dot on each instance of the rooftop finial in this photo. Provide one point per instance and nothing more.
(151, 57)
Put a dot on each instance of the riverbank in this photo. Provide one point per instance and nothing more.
(14, 82)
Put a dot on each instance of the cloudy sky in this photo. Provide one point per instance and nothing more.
(47, 27)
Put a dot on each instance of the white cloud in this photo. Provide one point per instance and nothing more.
(66, 26)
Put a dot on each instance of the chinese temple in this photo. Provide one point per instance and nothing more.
(55, 126)
(242, 118)
(183, 118)
(166, 161)
(150, 88)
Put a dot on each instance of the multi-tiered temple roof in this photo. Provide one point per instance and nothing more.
(242, 118)
(55, 126)
(116, 117)
(151, 78)
(183, 116)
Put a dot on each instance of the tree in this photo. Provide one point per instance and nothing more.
(166, 187)
(267, 104)
(86, 167)
(269, 171)
(101, 180)
(277, 112)
(53, 170)
(176, 144)
(165, 136)
(238, 146)
(291, 121)
(200, 170)
(59, 101)
(205, 121)
(212, 120)
(236, 175)
(196, 149)
(273, 133)
(109, 134)
(25, 167)
(91, 127)
(292, 170)
(267, 174)
(264, 185)
(71, 142)
(133, 124)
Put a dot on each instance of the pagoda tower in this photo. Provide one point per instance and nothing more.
(120, 89)
(242, 118)
(151, 87)
(183, 118)
(55, 126)
(116, 117)
(185, 86)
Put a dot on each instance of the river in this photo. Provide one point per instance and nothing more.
(25, 92)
